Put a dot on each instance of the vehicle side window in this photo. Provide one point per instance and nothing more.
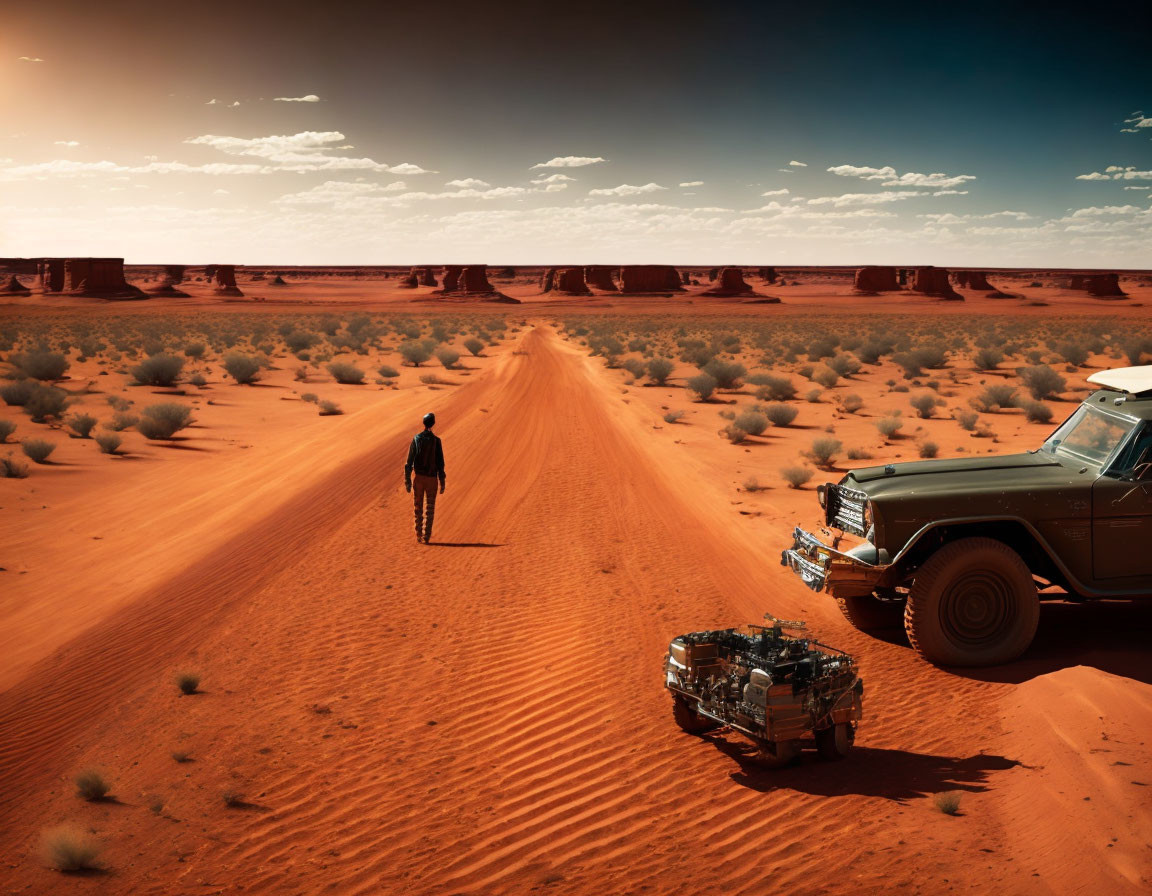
(1139, 450)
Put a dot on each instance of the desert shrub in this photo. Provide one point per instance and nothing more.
(45, 401)
(42, 364)
(728, 415)
(824, 450)
(10, 468)
(187, 682)
(924, 403)
(659, 369)
(858, 454)
(1036, 411)
(775, 388)
(948, 803)
(37, 449)
(195, 349)
(301, 340)
(826, 377)
(993, 398)
(1075, 353)
(813, 396)
(673, 416)
(888, 426)
(929, 449)
(81, 424)
(109, 442)
(872, 351)
(198, 380)
(851, 403)
(329, 409)
(245, 369)
(752, 422)
(733, 433)
(163, 421)
(844, 364)
(121, 421)
(68, 849)
(158, 370)
(310, 397)
(635, 366)
(474, 345)
(987, 358)
(7, 427)
(1136, 349)
(91, 785)
(181, 756)
(752, 484)
(387, 372)
(346, 373)
(780, 414)
(1042, 381)
(447, 357)
(795, 476)
(15, 394)
(702, 386)
(414, 353)
(966, 419)
(806, 371)
(728, 374)
(233, 799)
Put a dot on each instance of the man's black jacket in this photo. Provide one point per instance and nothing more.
(425, 457)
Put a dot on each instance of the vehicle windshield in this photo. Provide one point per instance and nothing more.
(1089, 435)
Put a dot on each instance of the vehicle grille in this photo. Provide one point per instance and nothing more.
(845, 509)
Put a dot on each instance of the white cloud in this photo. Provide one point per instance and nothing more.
(219, 192)
(783, 191)
(305, 151)
(796, 164)
(865, 198)
(1138, 188)
(29, 59)
(553, 179)
(692, 183)
(468, 182)
(66, 143)
(889, 178)
(570, 162)
(1116, 172)
(310, 98)
(627, 190)
(1136, 122)
(950, 193)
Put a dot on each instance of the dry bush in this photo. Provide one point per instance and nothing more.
(966, 419)
(121, 421)
(826, 377)
(187, 682)
(346, 373)
(702, 386)
(37, 450)
(91, 785)
(81, 424)
(109, 442)
(158, 370)
(729, 375)
(924, 403)
(796, 477)
(824, 450)
(245, 369)
(329, 409)
(780, 414)
(774, 388)
(673, 416)
(993, 398)
(10, 468)
(1075, 353)
(1042, 381)
(858, 454)
(42, 364)
(752, 484)
(752, 422)
(387, 372)
(474, 345)
(1036, 411)
(844, 364)
(448, 358)
(414, 353)
(15, 394)
(162, 421)
(44, 402)
(851, 403)
(929, 449)
(7, 427)
(195, 350)
(888, 426)
(813, 396)
(659, 369)
(987, 358)
(733, 433)
(68, 849)
(948, 803)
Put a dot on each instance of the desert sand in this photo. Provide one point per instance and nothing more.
(486, 714)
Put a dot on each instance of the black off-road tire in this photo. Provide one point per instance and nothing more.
(973, 603)
(779, 754)
(870, 614)
(689, 720)
(835, 742)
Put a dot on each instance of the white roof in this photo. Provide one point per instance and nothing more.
(1134, 380)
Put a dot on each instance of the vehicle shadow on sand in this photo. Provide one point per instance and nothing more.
(897, 775)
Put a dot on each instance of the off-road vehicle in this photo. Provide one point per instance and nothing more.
(780, 691)
(957, 548)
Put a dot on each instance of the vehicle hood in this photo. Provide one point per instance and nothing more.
(1006, 473)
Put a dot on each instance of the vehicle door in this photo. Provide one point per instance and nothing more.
(1122, 513)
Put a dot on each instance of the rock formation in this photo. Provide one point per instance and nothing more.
(972, 280)
(729, 283)
(713, 273)
(101, 278)
(417, 276)
(636, 279)
(224, 275)
(470, 282)
(564, 282)
(52, 274)
(277, 281)
(934, 282)
(769, 275)
(685, 278)
(258, 276)
(873, 279)
(16, 288)
(599, 276)
(1100, 286)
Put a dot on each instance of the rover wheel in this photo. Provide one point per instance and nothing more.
(973, 603)
(778, 754)
(688, 719)
(835, 742)
(870, 614)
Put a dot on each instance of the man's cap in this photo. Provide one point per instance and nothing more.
(429, 419)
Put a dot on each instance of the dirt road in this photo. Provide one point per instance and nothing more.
(485, 714)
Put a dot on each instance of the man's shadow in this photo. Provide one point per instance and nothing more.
(463, 544)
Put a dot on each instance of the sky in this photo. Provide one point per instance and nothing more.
(979, 134)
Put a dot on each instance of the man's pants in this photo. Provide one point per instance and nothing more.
(424, 487)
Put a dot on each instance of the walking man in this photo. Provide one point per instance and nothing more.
(426, 460)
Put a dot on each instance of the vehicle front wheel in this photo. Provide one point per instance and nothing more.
(835, 742)
(870, 614)
(778, 754)
(973, 603)
(688, 719)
